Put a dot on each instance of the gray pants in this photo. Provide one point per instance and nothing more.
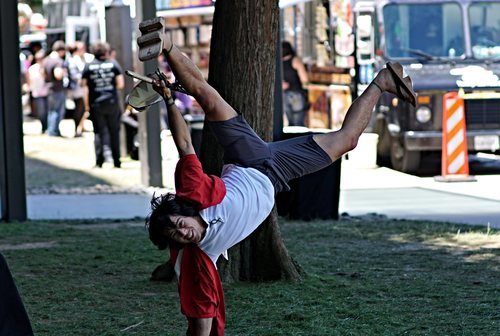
(281, 161)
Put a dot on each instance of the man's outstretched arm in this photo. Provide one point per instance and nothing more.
(177, 124)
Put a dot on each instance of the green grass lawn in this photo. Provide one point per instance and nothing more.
(362, 278)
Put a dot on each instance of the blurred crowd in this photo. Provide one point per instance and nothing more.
(55, 76)
(67, 82)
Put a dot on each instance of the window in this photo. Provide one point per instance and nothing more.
(484, 18)
(423, 31)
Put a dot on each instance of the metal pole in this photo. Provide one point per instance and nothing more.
(149, 122)
(355, 79)
(119, 36)
(278, 89)
(12, 180)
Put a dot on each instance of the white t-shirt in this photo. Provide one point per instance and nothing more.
(249, 200)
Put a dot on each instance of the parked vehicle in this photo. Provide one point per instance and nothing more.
(445, 46)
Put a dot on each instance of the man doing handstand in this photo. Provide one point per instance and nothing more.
(207, 215)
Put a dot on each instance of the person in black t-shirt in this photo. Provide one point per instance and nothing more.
(103, 77)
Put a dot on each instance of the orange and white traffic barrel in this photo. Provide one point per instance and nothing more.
(454, 158)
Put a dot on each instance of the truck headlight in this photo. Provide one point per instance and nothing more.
(423, 114)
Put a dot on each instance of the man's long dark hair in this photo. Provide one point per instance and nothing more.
(158, 220)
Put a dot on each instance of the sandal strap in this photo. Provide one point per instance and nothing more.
(378, 86)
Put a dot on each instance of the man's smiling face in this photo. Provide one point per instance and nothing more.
(187, 229)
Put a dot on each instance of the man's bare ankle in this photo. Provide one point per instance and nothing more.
(166, 50)
(378, 86)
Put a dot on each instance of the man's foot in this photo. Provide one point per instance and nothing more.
(391, 80)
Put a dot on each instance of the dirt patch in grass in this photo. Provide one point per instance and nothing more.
(106, 226)
(27, 246)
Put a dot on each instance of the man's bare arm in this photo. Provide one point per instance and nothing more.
(83, 84)
(301, 70)
(120, 82)
(177, 124)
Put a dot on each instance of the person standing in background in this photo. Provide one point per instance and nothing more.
(294, 79)
(39, 89)
(104, 78)
(75, 65)
(55, 73)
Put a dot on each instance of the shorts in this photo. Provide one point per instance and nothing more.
(280, 161)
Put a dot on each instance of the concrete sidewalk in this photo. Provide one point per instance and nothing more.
(101, 206)
(397, 195)
(377, 190)
(374, 190)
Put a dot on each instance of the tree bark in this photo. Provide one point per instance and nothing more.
(242, 69)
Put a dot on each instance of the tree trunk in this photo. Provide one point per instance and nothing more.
(242, 68)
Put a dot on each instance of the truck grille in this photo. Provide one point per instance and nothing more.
(482, 113)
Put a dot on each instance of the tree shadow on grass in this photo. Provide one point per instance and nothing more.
(43, 177)
(398, 275)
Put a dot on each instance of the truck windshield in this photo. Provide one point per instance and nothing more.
(484, 18)
(424, 31)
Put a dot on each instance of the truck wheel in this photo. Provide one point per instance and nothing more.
(404, 160)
